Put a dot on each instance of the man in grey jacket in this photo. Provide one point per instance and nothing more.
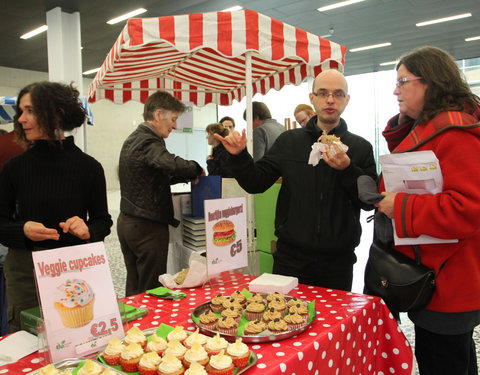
(265, 129)
(146, 172)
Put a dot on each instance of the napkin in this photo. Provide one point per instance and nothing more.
(196, 276)
(16, 346)
(165, 293)
(319, 148)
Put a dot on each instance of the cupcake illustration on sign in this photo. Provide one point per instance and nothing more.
(223, 233)
(74, 303)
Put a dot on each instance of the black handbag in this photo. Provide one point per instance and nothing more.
(403, 283)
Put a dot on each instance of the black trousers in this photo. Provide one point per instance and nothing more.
(144, 246)
(445, 354)
(324, 270)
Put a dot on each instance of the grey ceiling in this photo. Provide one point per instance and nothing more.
(370, 22)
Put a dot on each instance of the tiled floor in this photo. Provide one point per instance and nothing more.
(117, 266)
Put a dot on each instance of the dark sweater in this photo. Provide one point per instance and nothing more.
(50, 183)
(218, 166)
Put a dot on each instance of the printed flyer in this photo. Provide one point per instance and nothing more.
(77, 298)
(226, 234)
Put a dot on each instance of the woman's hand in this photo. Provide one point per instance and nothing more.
(386, 205)
(36, 231)
(76, 227)
(234, 142)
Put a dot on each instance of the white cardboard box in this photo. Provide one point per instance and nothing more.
(269, 283)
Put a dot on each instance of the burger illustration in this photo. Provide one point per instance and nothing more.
(223, 233)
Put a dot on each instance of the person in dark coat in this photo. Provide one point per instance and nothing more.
(217, 162)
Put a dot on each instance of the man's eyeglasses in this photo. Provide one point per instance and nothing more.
(335, 95)
(404, 80)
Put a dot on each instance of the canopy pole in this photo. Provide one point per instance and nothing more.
(253, 258)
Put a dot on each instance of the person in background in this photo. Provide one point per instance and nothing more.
(438, 112)
(317, 219)
(146, 171)
(52, 195)
(228, 123)
(265, 129)
(303, 113)
(8, 147)
(217, 162)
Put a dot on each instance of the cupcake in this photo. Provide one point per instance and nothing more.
(156, 344)
(239, 297)
(228, 325)
(130, 357)
(49, 370)
(216, 304)
(196, 353)
(178, 334)
(170, 365)
(111, 354)
(220, 364)
(196, 369)
(254, 310)
(135, 336)
(195, 337)
(254, 328)
(233, 313)
(74, 303)
(294, 321)
(255, 298)
(300, 309)
(90, 368)
(148, 364)
(68, 372)
(215, 344)
(279, 305)
(273, 296)
(239, 353)
(277, 325)
(107, 371)
(293, 301)
(232, 303)
(176, 349)
(271, 314)
(208, 320)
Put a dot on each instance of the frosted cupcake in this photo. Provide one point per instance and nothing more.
(176, 349)
(255, 298)
(216, 304)
(239, 353)
(293, 301)
(232, 303)
(196, 353)
(254, 310)
(49, 370)
(294, 321)
(135, 336)
(299, 309)
(170, 365)
(279, 305)
(254, 328)
(195, 337)
(156, 344)
(111, 354)
(216, 344)
(196, 369)
(273, 296)
(74, 303)
(90, 368)
(277, 326)
(239, 297)
(208, 320)
(107, 371)
(220, 364)
(148, 364)
(178, 334)
(228, 325)
(130, 357)
(271, 314)
(233, 313)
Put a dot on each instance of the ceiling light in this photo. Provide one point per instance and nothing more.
(389, 63)
(445, 19)
(37, 31)
(472, 38)
(91, 71)
(236, 7)
(371, 47)
(338, 5)
(126, 16)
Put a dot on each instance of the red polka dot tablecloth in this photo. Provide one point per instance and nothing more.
(352, 333)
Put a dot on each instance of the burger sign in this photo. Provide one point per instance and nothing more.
(223, 233)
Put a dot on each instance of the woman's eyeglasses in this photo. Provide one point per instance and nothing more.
(404, 80)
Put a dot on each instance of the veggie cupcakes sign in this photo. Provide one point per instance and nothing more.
(77, 298)
(226, 233)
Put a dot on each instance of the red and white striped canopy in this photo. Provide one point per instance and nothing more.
(200, 58)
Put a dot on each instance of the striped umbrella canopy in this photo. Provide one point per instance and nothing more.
(210, 58)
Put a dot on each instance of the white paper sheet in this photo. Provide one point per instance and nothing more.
(17, 346)
(416, 172)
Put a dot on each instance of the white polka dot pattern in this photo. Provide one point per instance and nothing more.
(353, 333)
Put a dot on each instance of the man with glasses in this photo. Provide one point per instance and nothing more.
(318, 210)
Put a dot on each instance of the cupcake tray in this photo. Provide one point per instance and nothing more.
(265, 337)
(71, 364)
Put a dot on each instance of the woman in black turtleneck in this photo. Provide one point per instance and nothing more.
(52, 195)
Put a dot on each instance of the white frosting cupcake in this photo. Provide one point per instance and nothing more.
(150, 360)
(196, 369)
(178, 334)
(134, 335)
(156, 344)
(196, 337)
(90, 368)
(220, 361)
(175, 348)
(169, 364)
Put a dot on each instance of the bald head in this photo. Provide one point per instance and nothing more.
(331, 76)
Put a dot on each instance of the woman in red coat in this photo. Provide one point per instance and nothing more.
(438, 112)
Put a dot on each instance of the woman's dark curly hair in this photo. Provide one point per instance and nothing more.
(56, 107)
(446, 88)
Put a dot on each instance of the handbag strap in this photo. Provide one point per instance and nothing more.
(418, 260)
